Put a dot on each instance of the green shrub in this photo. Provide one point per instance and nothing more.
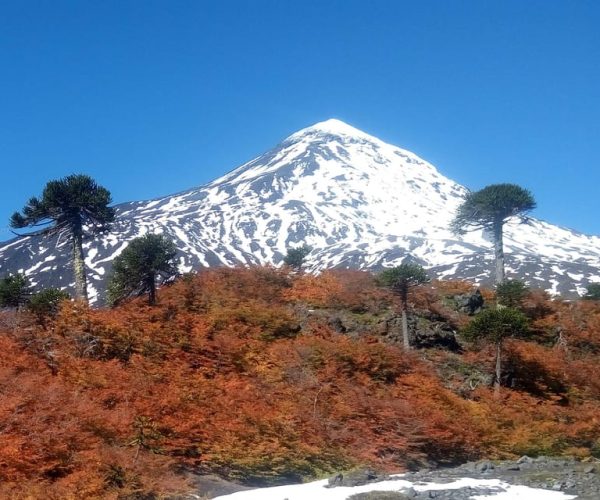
(593, 292)
(45, 304)
(14, 290)
(510, 293)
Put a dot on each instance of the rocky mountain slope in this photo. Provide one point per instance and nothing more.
(357, 201)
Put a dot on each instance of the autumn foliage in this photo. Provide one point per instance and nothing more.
(240, 372)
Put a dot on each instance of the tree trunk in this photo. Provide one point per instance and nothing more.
(405, 339)
(152, 291)
(499, 252)
(498, 369)
(406, 342)
(79, 265)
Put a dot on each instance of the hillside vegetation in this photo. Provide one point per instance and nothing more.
(263, 375)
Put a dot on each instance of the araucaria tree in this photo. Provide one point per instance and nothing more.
(592, 292)
(296, 257)
(489, 209)
(69, 206)
(14, 291)
(146, 262)
(401, 279)
(495, 325)
(46, 304)
(511, 293)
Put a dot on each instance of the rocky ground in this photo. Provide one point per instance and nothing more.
(554, 474)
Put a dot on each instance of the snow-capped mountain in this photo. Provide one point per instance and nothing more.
(357, 201)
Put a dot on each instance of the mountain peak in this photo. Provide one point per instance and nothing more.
(334, 127)
(356, 200)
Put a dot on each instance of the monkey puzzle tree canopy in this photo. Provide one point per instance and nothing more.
(69, 205)
(496, 325)
(593, 292)
(402, 277)
(511, 293)
(74, 200)
(490, 206)
(45, 304)
(296, 257)
(14, 290)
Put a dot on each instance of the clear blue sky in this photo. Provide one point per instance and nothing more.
(153, 97)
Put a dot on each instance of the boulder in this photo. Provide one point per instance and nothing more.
(357, 477)
(435, 334)
(470, 303)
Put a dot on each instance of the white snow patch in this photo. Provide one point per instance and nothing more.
(318, 491)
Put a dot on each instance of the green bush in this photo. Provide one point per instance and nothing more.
(497, 324)
(45, 304)
(14, 290)
(510, 293)
(593, 292)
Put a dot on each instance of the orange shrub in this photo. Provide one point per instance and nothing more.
(228, 374)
